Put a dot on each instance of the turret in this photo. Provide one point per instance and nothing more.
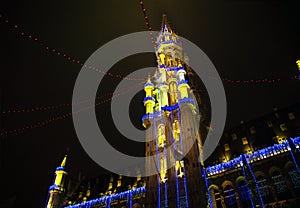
(57, 190)
(183, 86)
(149, 101)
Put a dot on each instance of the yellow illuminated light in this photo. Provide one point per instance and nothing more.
(280, 139)
(162, 58)
(161, 135)
(176, 130)
(163, 169)
(298, 63)
(179, 169)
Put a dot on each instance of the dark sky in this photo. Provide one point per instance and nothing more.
(244, 39)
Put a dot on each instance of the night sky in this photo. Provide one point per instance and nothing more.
(244, 39)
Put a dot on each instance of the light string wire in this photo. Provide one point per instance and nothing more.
(40, 124)
(17, 28)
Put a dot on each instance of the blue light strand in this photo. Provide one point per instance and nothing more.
(108, 202)
(245, 178)
(158, 164)
(148, 98)
(207, 187)
(56, 187)
(60, 168)
(177, 183)
(166, 194)
(109, 198)
(168, 108)
(148, 84)
(177, 193)
(296, 142)
(255, 181)
(166, 42)
(182, 82)
(182, 150)
(257, 155)
(130, 199)
(166, 185)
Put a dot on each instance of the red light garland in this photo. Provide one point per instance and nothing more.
(64, 105)
(147, 22)
(57, 52)
(40, 124)
(16, 28)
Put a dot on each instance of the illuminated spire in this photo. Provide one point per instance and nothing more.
(63, 163)
(149, 101)
(165, 24)
(57, 189)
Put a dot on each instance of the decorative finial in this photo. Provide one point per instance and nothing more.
(149, 78)
(63, 163)
(165, 23)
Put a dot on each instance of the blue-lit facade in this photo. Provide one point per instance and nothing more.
(265, 178)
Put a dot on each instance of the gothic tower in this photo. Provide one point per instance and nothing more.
(172, 125)
(57, 191)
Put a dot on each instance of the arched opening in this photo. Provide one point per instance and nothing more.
(294, 175)
(244, 192)
(217, 198)
(279, 183)
(264, 187)
(136, 205)
(229, 195)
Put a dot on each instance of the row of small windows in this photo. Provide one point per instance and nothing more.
(291, 115)
(269, 123)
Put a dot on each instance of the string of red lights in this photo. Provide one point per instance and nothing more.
(253, 81)
(46, 108)
(58, 106)
(64, 105)
(40, 124)
(17, 28)
(146, 18)
(46, 47)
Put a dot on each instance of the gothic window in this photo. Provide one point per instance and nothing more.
(270, 125)
(291, 116)
(217, 198)
(180, 168)
(264, 189)
(295, 177)
(136, 205)
(233, 136)
(161, 135)
(252, 130)
(283, 127)
(163, 169)
(226, 147)
(244, 141)
(245, 193)
(230, 199)
(176, 130)
(280, 185)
